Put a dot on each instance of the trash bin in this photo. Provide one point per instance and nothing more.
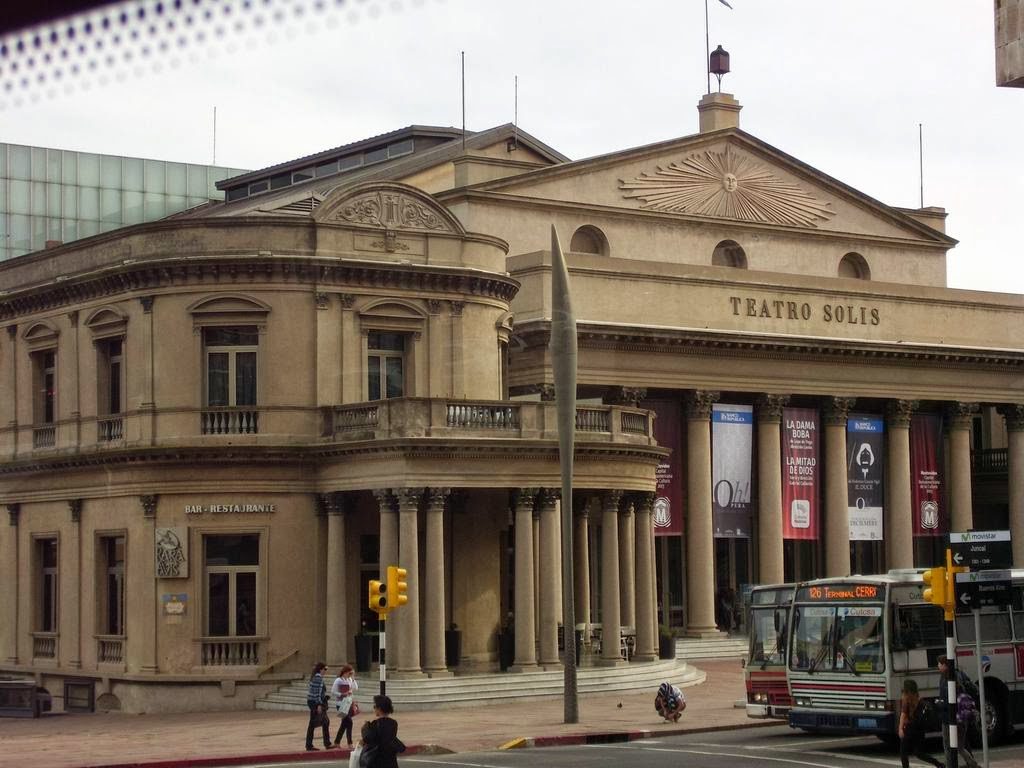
(506, 649)
(452, 647)
(364, 652)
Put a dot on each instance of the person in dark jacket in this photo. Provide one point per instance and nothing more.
(911, 729)
(316, 700)
(381, 744)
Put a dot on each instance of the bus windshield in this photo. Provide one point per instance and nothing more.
(837, 638)
(768, 636)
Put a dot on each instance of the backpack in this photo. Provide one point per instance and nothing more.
(966, 709)
(925, 719)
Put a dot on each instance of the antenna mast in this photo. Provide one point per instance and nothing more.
(463, 101)
(920, 160)
(515, 115)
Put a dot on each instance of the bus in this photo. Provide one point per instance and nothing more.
(765, 669)
(854, 640)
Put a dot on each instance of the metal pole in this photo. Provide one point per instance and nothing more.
(381, 624)
(951, 758)
(920, 159)
(981, 686)
(707, 46)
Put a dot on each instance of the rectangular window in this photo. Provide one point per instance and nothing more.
(110, 375)
(46, 559)
(231, 564)
(112, 578)
(231, 365)
(385, 365)
(44, 378)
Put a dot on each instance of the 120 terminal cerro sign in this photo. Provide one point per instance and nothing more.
(829, 312)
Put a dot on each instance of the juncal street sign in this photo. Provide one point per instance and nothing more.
(982, 550)
(981, 589)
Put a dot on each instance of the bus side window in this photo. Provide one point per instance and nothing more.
(1018, 612)
(920, 626)
(995, 626)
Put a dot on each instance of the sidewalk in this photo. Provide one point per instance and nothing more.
(61, 741)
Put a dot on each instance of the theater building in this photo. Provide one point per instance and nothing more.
(217, 427)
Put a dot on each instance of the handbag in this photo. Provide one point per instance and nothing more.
(355, 756)
(368, 757)
(354, 710)
(345, 704)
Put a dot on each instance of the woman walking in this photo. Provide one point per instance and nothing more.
(316, 699)
(343, 692)
(912, 727)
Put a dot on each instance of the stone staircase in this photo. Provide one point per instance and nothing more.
(726, 647)
(479, 690)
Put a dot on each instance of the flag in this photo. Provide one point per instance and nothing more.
(725, 4)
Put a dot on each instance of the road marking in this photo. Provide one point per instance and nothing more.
(751, 757)
(449, 762)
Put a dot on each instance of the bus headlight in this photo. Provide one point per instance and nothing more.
(874, 704)
(760, 698)
(801, 701)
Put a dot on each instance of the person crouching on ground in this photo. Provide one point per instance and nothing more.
(670, 702)
(316, 699)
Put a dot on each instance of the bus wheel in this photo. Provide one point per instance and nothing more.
(996, 715)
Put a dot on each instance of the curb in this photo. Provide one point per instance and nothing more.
(610, 737)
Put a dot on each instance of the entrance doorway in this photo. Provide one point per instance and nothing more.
(732, 581)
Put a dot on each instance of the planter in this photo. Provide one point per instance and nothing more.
(666, 647)
(506, 649)
(364, 652)
(452, 647)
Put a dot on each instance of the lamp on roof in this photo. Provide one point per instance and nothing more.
(718, 64)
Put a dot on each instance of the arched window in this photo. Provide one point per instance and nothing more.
(589, 239)
(855, 266)
(728, 253)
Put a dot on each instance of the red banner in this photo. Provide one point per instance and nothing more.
(931, 518)
(800, 428)
(668, 496)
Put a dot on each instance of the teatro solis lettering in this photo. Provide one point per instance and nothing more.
(848, 314)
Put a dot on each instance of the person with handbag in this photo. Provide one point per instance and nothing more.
(343, 691)
(316, 700)
(380, 743)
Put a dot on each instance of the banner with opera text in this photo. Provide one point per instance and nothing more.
(800, 480)
(931, 517)
(668, 494)
(732, 440)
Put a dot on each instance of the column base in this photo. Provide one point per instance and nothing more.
(439, 672)
(552, 666)
(644, 657)
(406, 674)
(532, 667)
(617, 662)
(705, 633)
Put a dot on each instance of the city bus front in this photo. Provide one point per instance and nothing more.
(765, 671)
(837, 657)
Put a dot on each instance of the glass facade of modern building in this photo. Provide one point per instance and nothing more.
(61, 195)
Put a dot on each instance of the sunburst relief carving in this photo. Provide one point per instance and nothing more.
(726, 185)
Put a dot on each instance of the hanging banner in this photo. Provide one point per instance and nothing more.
(865, 489)
(732, 440)
(668, 494)
(931, 518)
(800, 429)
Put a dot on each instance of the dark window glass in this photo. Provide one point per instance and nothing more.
(240, 336)
(281, 180)
(391, 342)
(995, 627)
(302, 175)
(325, 169)
(217, 378)
(114, 405)
(49, 623)
(237, 193)
(395, 379)
(373, 377)
(217, 600)
(375, 155)
(369, 549)
(258, 186)
(49, 553)
(400, 148)
(352, 161)
(919, 626)
(245, 603)
(245, 378)
(241, 549)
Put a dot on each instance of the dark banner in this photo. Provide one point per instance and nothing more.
(732, 439)
(800, 428)
(865, 476)
(931, 518)
(668, 495)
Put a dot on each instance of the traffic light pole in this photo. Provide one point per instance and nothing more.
(952, 756)
(382, 653)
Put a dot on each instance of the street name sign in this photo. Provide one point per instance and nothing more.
(982, 550)
(982, 589)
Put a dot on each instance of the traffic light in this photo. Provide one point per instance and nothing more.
(935, 592)
(397, 586)
(379, 597)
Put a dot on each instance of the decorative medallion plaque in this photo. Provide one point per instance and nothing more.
(390, 210)
(726, 185)
(172, 553)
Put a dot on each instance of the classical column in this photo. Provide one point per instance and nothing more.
(408, 626)
(525, 628)
(700, 542)
(71, 554)
(147, 585)
(627, 576)
(550, 567)
(837, 509)
(581, 559)
(535, 584)
(646, 643)
(433, 579)
(959, 418)
(769, 492)
(336, 640)
(388, 509)
(10, 593)
(610, 617)
(1014, 416)
(899, 520)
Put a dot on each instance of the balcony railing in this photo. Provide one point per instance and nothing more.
(230, 652)
(592, 420)
(230, 421)
(482, 416)
(110, 649)
(990, 461)
(110, 428)
(45, 436)
(44, 645)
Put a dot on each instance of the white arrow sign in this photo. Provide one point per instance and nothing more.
(958, 558)
(965, 598)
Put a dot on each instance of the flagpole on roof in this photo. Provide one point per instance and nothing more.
(707, 41)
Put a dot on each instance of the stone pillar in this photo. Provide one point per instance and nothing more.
(147, 581)
(336, 639)
(959, 418)
(387, 507)
(1013, 414)
(627, 573)
(771, 560)
(535, 584)
(646, 638)
(700, 542)
(433, 579)
(408, 625)
(71, 555)
(9, 578)
(550, 565)
(581, 559)
(525, 628)
(899, 520)
(610, 617)
(837, 510)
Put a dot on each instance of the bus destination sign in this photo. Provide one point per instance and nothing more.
(838, 593)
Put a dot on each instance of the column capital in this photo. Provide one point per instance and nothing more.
(1013, 414)
(698, 404)
(148, 503)
(524, 498)
(147, 303)
(75, 508)
(769, 407)
(386, 501)
(644, 502)
(409, 499)
(436, 498)
(580, 505)
(960, 415)
(898, 412)
(625, 395)
(12, 330)
(837, 409)
(330, 503)
(13, 510)
(547, 497)
(610, 500)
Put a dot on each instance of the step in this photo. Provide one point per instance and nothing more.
(711, 648)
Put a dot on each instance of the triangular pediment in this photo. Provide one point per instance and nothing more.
(387, 206)
(726, 176)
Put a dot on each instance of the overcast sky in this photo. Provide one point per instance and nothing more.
(842, 85)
